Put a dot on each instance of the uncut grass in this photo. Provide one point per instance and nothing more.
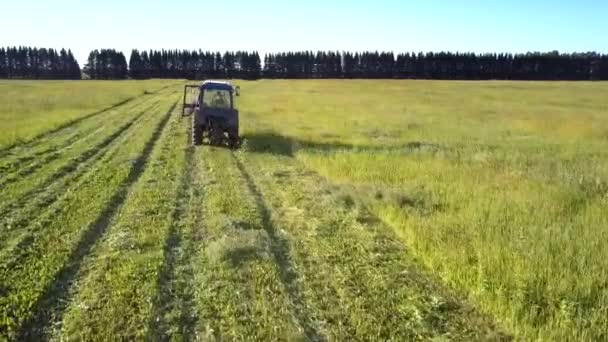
(499, 188)
(358, 280)
(57, 246)
(114, 297)
(239, 292)
(30, 108)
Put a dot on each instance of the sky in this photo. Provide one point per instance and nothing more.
(271, 26)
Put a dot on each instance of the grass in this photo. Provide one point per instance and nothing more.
(29, 108)
(498, 187)
(355, 210)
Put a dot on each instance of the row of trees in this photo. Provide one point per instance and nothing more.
(26, 62)
(106, 64)
(194, 64)
(306, 64)
(34, 63)
(444, 65)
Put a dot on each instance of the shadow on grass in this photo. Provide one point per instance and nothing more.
(53, 300)
(174, 291)
(274, 143)
(280, 251)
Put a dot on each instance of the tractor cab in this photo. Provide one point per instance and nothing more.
(210, 94)
(214, 117)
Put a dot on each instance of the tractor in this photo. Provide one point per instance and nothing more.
(215, 120)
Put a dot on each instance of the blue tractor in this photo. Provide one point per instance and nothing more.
(215, 120)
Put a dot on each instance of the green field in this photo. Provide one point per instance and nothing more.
(355, 210)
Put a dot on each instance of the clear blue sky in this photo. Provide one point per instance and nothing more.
(269, 25)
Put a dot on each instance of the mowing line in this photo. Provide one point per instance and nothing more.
(280, 251)
(52, 303)
(8, 149)
(74, 162)
(11, 252)
(52, 152)
(128, 296)
(74, 169)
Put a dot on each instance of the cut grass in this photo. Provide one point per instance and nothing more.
(114, 297)
(239, 294)
(355, 210)
(50, 259)
(30, 108)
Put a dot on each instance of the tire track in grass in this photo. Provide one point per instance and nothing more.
(19, 166)
(70, 124)
(280, 250)
(239, 294)
(19, 224)
(52, 302)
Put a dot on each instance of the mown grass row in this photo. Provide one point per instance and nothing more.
(30, 110)
(46, 165)
(114, 295)
(33, 154)
(38, 191)
(38, 277)
(241, 292)
(32, 201)
(357, 280)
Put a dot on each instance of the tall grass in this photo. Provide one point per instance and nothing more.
(500, 188)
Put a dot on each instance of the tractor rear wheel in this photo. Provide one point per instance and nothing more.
(233, 139)
(197, 134)
(216, 135)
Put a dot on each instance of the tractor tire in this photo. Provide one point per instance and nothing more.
(233, 139)
(216, 135)
(197, 135)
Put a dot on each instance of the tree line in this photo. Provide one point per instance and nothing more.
(307, 64)
(106, 64)
(43, 63)
(443, 65)
(37, 63)
(194, 64)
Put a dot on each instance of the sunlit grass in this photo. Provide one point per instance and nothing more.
(500, 188)
(317, 226)
(29, 108)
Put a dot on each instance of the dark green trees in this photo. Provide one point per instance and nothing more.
(38, 63)
(194, 64)
(41, 63)
(106, 64)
